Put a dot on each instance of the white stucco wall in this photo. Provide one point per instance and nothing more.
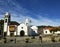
(58, 32)
(5, 27)
(46, 31)
(8, 32)
(15, 33)
(19, 29)
(34, 28)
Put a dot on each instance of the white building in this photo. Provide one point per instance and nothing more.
(26, 29)
(21, 29)
(48, 31)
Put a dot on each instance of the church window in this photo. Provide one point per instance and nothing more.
(5, 20)
(22, 27)
(45, 31)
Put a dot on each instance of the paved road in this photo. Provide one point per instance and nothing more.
(31, 45)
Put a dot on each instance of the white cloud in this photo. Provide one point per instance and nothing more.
(40, 21)
(19, 14)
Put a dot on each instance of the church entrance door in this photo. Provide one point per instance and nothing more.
(22, 33)
(11, 34)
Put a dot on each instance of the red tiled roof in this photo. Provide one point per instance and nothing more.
(53, 29)
(48, 28)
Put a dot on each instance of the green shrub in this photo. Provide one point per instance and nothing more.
(59, 39)
(27, 40)
(33, 37)
(53, 38)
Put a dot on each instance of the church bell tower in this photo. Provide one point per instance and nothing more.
(6, 23)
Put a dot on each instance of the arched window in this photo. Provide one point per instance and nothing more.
(5, 20)
(22, 27)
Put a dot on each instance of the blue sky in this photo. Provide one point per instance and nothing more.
(40, 12)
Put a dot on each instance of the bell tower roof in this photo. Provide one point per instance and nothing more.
(27, 20)
(7, 13)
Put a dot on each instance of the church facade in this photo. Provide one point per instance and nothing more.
(16, 29)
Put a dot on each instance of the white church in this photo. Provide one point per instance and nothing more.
(15, 29)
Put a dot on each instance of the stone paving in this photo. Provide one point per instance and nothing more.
(20, 42)
(31, 45)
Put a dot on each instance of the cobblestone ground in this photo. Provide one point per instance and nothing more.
(20, 42)
(31, 45)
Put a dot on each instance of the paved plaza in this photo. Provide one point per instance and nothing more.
(31, 45)
(21, 42)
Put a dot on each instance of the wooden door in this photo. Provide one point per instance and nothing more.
(11, 34)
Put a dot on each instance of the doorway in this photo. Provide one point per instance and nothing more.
(22, 33)
(11, 34)
(5, 34)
